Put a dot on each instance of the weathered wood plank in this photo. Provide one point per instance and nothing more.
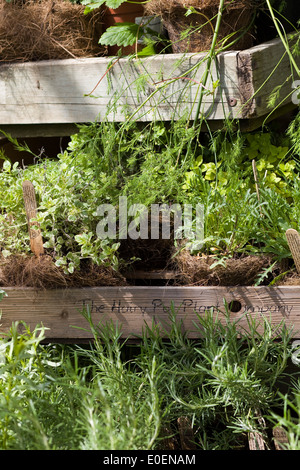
(133, 307)
(157, 87)
(270, 68)
(56, 91)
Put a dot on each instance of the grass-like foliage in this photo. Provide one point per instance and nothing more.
(119, 396)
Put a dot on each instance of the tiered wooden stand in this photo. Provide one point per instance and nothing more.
(49, 98)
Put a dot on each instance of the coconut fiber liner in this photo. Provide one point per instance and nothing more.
(235, 24)
(48, 29)
(42, 273)
(235, 271)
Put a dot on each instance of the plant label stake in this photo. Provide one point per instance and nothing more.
(255, 439)
(293, 239)
(256, 183)
(280, 438)
(36, 240)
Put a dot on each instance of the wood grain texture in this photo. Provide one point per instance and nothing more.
(35, 236)
(134, 307)
(280, 437)
(271, 68)
(293, 239)
(246, 84)
(58, 91)
(157, 87)
(256, 441)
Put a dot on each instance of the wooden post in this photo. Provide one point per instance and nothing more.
(280, 438)
(256, 441)
(293, 239)
(36, 240)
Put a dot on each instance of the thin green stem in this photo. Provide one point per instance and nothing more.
(210, 57)
(284, 42)
(209, 60)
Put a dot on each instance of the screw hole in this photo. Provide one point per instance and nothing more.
(232, 102)
(235, 306)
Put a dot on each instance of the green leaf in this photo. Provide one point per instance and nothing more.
(190, 11)
(72, 218)
(5, 253)
(114, 3)
(93, 4)
(146, 51)
(71, 268)
(2, 294)
(60, 262)
(121, 34)
(7, 166)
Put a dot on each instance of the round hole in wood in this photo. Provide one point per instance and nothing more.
(235, 306)
(64, 313)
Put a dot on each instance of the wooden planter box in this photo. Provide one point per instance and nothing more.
(134, 307)
(49, 97)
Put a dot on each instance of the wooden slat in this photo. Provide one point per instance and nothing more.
(55, 91)
(58, 92)
(155, 275)
(133, 307)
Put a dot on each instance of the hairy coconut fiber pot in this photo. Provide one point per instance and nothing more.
(51, 29)
(193, 33)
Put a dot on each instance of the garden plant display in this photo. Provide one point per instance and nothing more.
(227, 385)
(116, 396)
(106, 161)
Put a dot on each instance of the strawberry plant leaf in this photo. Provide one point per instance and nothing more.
(93, 4)
(146, 51)
(121, 34)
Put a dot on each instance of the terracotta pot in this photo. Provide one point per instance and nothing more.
(126, 13)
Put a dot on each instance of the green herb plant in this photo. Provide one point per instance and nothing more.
(149, 165)
(112, 395)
